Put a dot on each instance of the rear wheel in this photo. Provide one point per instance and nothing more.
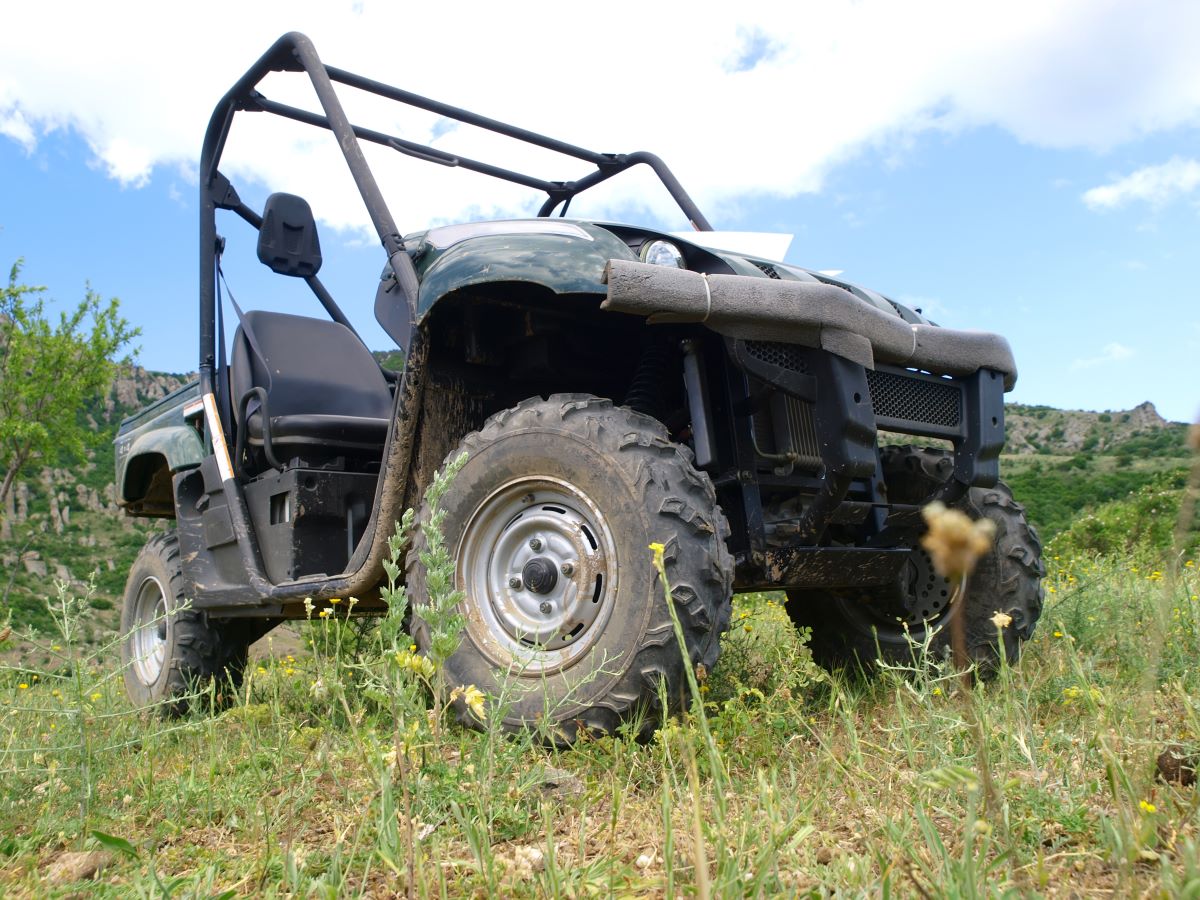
(857, 627)
(550, 522)
(169, 652)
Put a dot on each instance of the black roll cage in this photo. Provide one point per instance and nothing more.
(294, 52)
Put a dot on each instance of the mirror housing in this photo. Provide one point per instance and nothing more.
(287, 238)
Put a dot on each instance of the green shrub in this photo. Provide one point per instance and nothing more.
(1141, 524)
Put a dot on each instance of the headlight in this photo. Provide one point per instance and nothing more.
(661, 253)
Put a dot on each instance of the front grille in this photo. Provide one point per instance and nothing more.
(767, 269)
(786, 356)
(914, 399)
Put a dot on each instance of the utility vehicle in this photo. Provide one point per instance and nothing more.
(613, 386)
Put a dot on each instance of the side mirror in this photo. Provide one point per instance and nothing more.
(287, 239)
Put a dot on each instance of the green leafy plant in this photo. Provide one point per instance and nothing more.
(50, 371)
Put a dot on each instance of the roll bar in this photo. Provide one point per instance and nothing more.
(294, 52)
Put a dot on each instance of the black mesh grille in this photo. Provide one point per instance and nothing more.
(914, 399)
(767, 269)
(786, 356)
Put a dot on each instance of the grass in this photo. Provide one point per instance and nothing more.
(785, 781)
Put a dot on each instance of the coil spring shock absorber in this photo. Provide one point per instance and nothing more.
(649, 384)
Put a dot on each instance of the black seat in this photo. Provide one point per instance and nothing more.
(323, 389)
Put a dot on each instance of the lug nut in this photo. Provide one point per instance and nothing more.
(515, 582)
(545, 607)
(568, 569)
(535, 544)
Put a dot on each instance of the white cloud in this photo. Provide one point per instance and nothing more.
(1112, 353)
(1155, 185)
(814, 82)
(932, 308)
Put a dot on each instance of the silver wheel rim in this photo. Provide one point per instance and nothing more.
(149, 638)
(538, 564)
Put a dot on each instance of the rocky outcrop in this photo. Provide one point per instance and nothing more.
(134, 387)
(1146, 416)
(1042, 429)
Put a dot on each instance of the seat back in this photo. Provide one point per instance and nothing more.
(308, 367)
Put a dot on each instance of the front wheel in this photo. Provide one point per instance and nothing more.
(856, 628)
(550, 521)
(168, 651)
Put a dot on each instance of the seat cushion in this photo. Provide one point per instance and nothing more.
(343, 432)
(308, 367)
(324, 389)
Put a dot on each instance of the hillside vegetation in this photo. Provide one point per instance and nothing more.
(63, 524)
(1062, 462)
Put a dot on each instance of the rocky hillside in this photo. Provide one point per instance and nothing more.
(61, 523)
(1060, 463)
(1043, 429)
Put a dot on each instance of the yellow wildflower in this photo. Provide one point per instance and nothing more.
(1148, 807)
(336, 600)
(418, 665)
(1058, 634)
(96, 695)
(23, 686)
(324, 614)
(473, 697)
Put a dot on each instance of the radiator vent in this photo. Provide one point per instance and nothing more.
(786, 356)
(914, 399)
(786, 425)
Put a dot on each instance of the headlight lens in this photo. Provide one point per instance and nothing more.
(661, 253)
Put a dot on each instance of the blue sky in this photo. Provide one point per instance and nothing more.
(1015, 185)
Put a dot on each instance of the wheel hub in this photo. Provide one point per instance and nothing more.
(540, 575)
(149, 638)
(537, 562)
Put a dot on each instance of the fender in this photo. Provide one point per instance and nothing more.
(567, 257)
(179, 446)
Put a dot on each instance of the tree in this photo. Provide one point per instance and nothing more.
(49, 371)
